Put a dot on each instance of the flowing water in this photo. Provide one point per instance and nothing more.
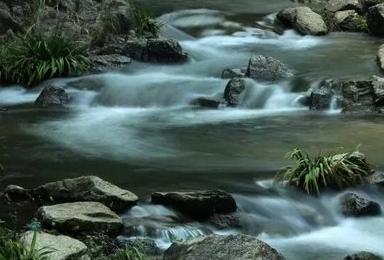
(137, 129)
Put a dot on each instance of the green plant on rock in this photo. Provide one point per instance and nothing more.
(145, 24)
(34, 57)
(312, 175)
(130, 253)
(329, 19)
(12, 249)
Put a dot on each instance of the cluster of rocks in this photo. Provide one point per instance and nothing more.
(337, 15)
(260, 68)
(353, 96)
(73, 208)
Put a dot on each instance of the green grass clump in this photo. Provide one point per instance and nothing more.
(31, 58)
(130, 253)
(332, 170)
(145, 24)
(12, 249)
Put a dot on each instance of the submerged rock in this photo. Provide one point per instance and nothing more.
(225, 221)
(303, 20)
(266, 68)
(222, 248)
(234, 90)
(363, 256)
(61, 247)
(87, 188)
(53, 96)
(355, 206)
(206, 102)
(80, 217)
(375, 19)
(197, 204)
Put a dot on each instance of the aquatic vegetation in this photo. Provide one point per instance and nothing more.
(12, 248)
(33, 57)
(332, 170)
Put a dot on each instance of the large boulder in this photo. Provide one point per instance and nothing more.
(234, 90)
(80, 217)
(53, 96)
(197, 204)
(87, 188)
(380, 57)
(266, 68)
(222, 248)
(363, 256)
(375, 19)
(341, 5)
(353, 205)
(303, 20)
(59, 247)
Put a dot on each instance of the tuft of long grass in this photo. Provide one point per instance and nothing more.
(145, 24)
(12, 249)
(31, 58)
(130, 253)
(312, 175)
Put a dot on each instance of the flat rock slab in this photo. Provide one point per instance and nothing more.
(88, 188)
(62, 247)
(222, 248)
(197, 204)
(81, 217)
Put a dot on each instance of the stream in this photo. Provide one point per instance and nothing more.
(138, 130)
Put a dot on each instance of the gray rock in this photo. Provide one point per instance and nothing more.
(377, 178)
(166, 51)
(352, 205)
(363, 256)
(7, 22)
(222, 248)
(16, 193)
(197, 204)
(61, 247)
(266, 68)
(87, 188)
(375, 19)
(358, 97)
(369, 3)
(380, 57)
(146, 246)
(321, 98)
(233, 73)
(234, 90)
(341, 5)
(104, 63)
(225, 221)
(349, 20)
(53, 96)
(303, 20)
(80, 217)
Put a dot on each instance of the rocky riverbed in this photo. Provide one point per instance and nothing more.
(192, 125)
